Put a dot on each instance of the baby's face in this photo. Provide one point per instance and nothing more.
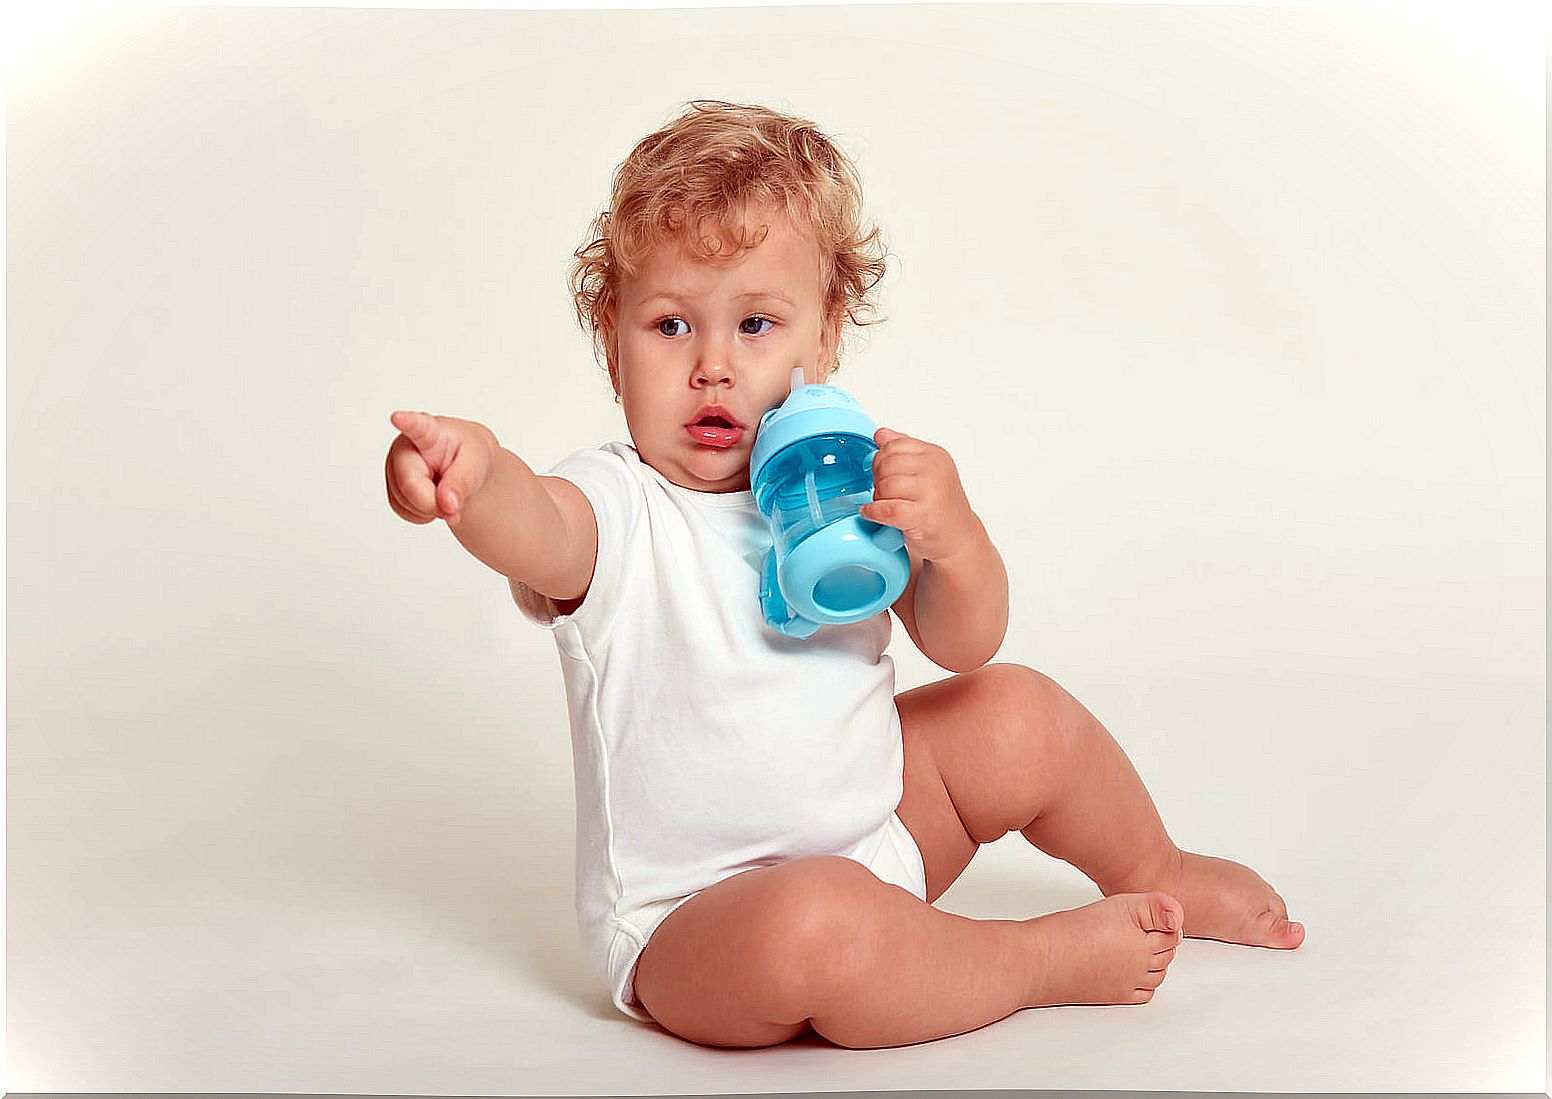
(692, 333)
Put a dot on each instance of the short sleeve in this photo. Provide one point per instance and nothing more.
(607, 477)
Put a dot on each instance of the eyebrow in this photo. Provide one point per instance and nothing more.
(677, 295)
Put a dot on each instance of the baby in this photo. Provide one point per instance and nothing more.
(762, 823)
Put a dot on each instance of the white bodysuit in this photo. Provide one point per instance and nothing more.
(705, 743)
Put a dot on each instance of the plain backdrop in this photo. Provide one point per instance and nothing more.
(1231, 318)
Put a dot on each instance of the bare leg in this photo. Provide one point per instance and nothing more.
(945, 974)
(756, 959)
(1105, 824)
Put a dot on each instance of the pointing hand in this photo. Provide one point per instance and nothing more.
(435, 465)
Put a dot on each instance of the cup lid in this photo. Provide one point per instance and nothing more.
(809, 410)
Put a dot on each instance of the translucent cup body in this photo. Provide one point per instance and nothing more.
(812, 483)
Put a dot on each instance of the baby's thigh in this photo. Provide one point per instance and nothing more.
(742, 963)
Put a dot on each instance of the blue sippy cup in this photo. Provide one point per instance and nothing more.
(811, 469)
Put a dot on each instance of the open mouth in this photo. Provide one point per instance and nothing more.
(715, 431)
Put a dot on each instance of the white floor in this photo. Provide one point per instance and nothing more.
(339, 940)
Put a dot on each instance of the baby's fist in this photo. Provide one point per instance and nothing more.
(435, 465)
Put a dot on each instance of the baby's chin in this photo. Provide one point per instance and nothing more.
(704, 469)
(738, 483)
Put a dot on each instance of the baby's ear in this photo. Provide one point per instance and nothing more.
(829, 344)
(614, 376)
(611, 338)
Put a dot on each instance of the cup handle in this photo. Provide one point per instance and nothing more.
(887, 538)
(778, 615)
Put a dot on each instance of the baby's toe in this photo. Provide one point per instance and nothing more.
(1276, 930)
(1160, 912)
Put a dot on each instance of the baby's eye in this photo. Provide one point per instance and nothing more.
(767, 320)
(669, 320)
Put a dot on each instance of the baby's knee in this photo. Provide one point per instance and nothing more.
(814, 924)
(1021, 685)
(1033, 718)
(811, 900)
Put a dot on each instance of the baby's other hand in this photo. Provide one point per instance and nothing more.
(916, 488)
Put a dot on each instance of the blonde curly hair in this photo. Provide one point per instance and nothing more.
(710, 165)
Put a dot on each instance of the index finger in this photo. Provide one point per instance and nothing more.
(420, 427)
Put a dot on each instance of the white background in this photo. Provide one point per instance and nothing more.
(1232, 319)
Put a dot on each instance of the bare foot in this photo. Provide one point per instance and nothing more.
(1230, 902)
(1113, 951)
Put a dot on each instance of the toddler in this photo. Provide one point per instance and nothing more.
(762, 823)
